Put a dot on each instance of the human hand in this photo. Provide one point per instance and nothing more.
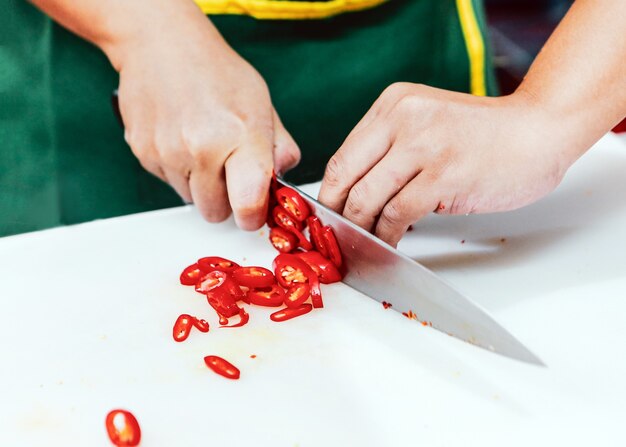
(421, 149)
(200, 118)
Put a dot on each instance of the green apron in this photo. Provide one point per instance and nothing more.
(63, 158)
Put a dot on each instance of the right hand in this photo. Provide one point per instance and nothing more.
(200, 118)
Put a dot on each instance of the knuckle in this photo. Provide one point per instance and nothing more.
(395, 213)
(356, 203)
(396, 89)
(334, 167)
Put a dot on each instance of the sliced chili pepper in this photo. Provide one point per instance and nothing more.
(123, 428)
(244, 318)
(222, 367)
(284, 220)
(201, 324)
(315, 230)
(210, 281)
(327, 272)
(211, 263)
(223, 302)
(293, 203)
(182, 327)
(253, 276)
(283, 240)
(297, 295)
(287, 313)
(302, 240)
(330, 241)
(290, 269)
(272, 296)
(191, 275)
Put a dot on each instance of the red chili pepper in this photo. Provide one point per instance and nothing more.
(201, 324)
(272, 296)
(211, 263)
(302, 240)
(293, 203)
(284, 241)
(327, 272)
(290, 270)
(386, 305)
(123, 428)
(284, 220)
(222, 367)
(244, 318)
(182, 327)
(287, 313)
(331, 244)
(297, 295)
(315, 230)
(191, 275)
(253, 277)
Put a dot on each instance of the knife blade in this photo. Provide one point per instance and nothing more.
(383, 273)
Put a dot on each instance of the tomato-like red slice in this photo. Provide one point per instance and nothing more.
(315, 230)
(297, 295)
(212, 263)
(201, 324)
(293, 203)
(182, 327)
(253, 276)
(327, 272)
(290, 270)
(287, 313)
(243, 319)
(223, 302)
(123, 428)
(210, 281)
(283, 240)
(222, 367)
(284, 220)
(191, 275)
(272, 296)
(330, 241)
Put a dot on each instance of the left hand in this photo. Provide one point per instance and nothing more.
(421, 149)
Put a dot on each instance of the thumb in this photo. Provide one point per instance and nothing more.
(286, 151)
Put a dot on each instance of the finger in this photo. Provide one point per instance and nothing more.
(358, 154)
(207, 184)
(180, 182)
(248, 174)
(286, 151)
(176, 163)
(417, 199)
(369, 195)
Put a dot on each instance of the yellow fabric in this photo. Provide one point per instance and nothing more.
(285, 10)
(475, 46)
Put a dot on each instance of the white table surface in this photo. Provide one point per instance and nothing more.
(87, 312)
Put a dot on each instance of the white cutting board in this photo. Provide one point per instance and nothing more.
(87, 311)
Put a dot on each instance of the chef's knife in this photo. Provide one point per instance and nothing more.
(383, 273)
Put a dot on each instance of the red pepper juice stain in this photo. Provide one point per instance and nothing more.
(222, 367)
(386, 305)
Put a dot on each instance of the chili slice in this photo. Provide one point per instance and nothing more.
(290, 270)
(331, 244)
(210, 281)
(222, 367)
(191, 275)
(284, 241)
(272, 296)
(223, 302)
(297, 295)
(327, 272)
(293, 203)
(211, 263)
(182, 327)
(253, 276)
(123, 428)
(201, 324)
(284, 220)
(287, 313)
(315, 231)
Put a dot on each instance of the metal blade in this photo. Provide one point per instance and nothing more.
(383, 273)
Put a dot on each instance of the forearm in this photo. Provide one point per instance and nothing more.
(580, 75)
(117, 25)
